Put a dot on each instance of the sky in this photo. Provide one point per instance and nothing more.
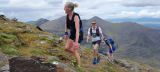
(29, 10)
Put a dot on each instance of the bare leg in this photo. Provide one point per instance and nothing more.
(109, 56)
(95, 47)
(69, 45)
(70, 48)
(94, 51)
(74, 50)
(76, 53)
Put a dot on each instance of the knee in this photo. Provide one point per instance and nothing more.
(95, 48)
(97, 45)
(75, 52)
(66, 46)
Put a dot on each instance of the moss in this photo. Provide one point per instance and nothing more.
(7, 38)
(9, 49)
(37, 52)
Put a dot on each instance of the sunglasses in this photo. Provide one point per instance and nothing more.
(93, 23)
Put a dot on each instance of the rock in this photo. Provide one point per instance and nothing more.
(39, 59)
(133, 67)
(125, 64)
(3, 17)
(61, 67)
(4, 60)
(5, 68)
(14, 19)
(3, 57)
(50, 50)
(54, 58)
(39, 28)
(21, 64)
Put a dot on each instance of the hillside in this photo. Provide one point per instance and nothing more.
(22, 40)
(135, 41)
(155, 26)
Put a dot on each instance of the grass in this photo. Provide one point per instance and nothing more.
(7, 38)
(19, 39)
(25, 51)
(9, 49)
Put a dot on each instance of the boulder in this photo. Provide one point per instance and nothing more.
(21, 64)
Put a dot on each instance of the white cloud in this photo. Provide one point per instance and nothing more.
(1, 13)
(141, 3)
(29, 4)
(139, 14)
(34, 9)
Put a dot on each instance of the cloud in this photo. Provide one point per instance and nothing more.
(51, 9)
(139, 14)
(31, 10)
(141, 3)
(1, 13)
(29, 4)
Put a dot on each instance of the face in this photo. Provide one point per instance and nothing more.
(93, 24)
(67, 9)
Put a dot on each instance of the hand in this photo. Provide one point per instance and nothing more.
(65, 37)
(87, 39)
(76, 45)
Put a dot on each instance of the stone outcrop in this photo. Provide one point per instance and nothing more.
(21, 64)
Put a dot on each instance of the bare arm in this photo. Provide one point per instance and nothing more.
(88, 36)
(101, 33)
(77, 26)
(110, 46)
(66, 30)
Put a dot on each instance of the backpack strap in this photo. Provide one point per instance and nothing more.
(80, 21)
(81, 27)
(91, 31)
(97, 31)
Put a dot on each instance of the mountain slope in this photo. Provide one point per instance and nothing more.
(155, 26)
(55, 26)
(135, 41)
(38, 22)
(19, 39)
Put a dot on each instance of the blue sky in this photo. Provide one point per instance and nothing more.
(26, 10)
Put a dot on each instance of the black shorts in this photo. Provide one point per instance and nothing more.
(72, 37)
(96, 42)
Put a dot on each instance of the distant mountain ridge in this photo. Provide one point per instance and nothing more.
(135, 41)
(149, 22)
(138, 20)
(155, 26)
(38, 22)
